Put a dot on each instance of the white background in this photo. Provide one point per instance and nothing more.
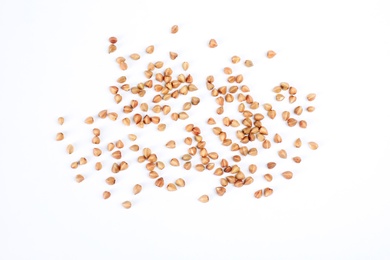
(54, 62)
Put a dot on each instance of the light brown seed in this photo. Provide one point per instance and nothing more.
(277, 138)
(298, 143)
(110, 147)
(144, 107)
(298, 110)
(292, 99)
(113, 116)
(186, 157)
(159, 182)
(110, 180)
(297, 159)
(271, 165)
(119, 144)
(126, 204)
(220, 191)
(70, 149)
(266, 144)
(270, 54)
(126, 121)
(173, 55)
(153, 175)
(302, 124)
(285, 115)
(213, 43)
(102, 114)
(227, 70)
(123, 66)
(284, 85)
(89, 120)
(196, 130)
(120, 59)
(171, 187)
(252, 152)
(117, 154)
(150, 49)
(279, 97)
(199, 167)
(313, 145)
(112, 40)
(311, 96)
(258, 194)
(121, 79)
(115, 168)
(195, 101)
(171, 144)
(96, 140)
(235, 59)
(123, 166)
(187, 166)
(183, 115)
(282, 154)
(132, 137)
(185, 65)
(83, 161)
(252, 168)
(106, 194)
(135, 56)
(204, 199)
(60, 136)
(291, 122)
(268, 177)
(187, 106)
(310, 109)
(137, 189)
(248, 63)
(111, 48)
(268, 192)
(74, 165)
(174, 162)
(180, 182)
(271, 114)
(174, 29)
(96, 132)
(98, 166)
(97, 151)
(161, 127)
(188, 140)
(60, 120)
(287, 175)
(79, 178)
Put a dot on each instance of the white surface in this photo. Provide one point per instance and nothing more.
(53, 63)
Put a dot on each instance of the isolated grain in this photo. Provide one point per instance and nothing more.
(227, 70)
(161, 127)
(174, 29)
(106, 194)
(310, 109)
(102, 114)
(277, 89)
(110, 146)
(98, 166)
(185, 65)
(270, 54)
(268, 192)
(111, 48)
(137, 189)
(187, 166)
(110, 180)
(271, 114)
(60, 120)
(298, 110)
(170, 144)
(173, 55)
(171, 187)
(277, 138)
(287, 175)
(115, 168)
(282, 154)
(220, 191)
(117, 154)
(258, 194)
(268, 177)
(292, 91)
(123, 66)
(213, 43)
(188, 140)
(97, 152)
(180, 182)
(291, 122)
(266, 144)
(187, 106)
(121, 79)
(83, 161)
(199, 167)
(112, 40)
(248, 63)
(135, 56)
(132, 137)
(279, 97)
(174, 162)
(302, 124)
(159, 182)
(235, 59)
(271, 165)
(79, 178)
(60, 136)
(74, 165)
(112, 115)
(150, 49)
(119, 144)
(126, 121)
(126, 204)
(292, 99)
(284, 85)
(311, 96)
(204, 199)
(252, 168)
(313, 145)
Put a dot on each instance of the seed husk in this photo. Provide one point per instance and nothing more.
(174, 29)
(268, 177)
(302, 124)
(171, 187)
(117, 154)
(135, 56)
(204, 199)
(270, 54)
(258, 194)
(106, 194)
(282, 154)
(150, 49)
(297, 159)
(220, 191)
(79, 178)
(159, 182)
(173, 55)
(271, 165)
(311, 96)
(248, 63)
(60, 136)
(287, 175)
(137, 189)
(268, 192)
(313, 145)
(235, 59)
(110, 180)
(213, 43)
(161, 127)
(180, 182)
(171, 144)
(126, 204)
